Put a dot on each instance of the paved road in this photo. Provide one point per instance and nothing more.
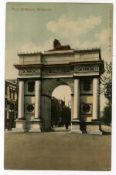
(57, 151)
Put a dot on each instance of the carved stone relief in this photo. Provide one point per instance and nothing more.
(29, 71)
(58, 70)
(86, 68)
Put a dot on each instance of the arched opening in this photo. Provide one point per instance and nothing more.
(61, 108)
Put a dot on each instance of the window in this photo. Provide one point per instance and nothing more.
(13, 95)
(87, 84)
(10, 93)
(31, 86)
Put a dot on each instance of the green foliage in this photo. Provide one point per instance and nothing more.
(107, 114)
(106, 89)
(106, 82)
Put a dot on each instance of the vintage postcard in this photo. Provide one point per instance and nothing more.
(58, 86)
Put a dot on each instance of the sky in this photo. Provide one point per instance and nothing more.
(32, 27)
(58, 93)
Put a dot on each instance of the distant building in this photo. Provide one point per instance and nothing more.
(10, 103)
(60, 113)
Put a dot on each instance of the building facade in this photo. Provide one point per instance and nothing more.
(40, 73)
(60, 113)
(11, 94)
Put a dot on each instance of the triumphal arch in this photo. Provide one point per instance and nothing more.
(40, 73)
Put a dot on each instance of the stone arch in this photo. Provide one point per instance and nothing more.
(48, 87)
(58, 66)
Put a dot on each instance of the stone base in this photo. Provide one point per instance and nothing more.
(75, 127)
(20, 125)
(94, 129)
(35, 125)
(27, 126)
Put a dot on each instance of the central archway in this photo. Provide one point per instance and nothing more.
(61, 108)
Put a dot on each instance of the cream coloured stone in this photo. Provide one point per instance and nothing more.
(21, 100)
(76, 98)
(37, 98)
(95, 98)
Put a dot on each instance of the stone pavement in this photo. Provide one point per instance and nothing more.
(105, 128)
(57, 151)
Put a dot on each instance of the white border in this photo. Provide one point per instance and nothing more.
(2, 56)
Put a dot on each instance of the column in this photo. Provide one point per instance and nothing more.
(72, 106)
(95, 98)
(7, 112)
(76, 99)
(21, 100)
(37, 98)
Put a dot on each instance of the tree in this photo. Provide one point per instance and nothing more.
(106, 89)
